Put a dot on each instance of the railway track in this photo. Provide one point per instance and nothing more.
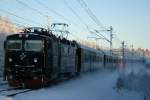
(13, 91)
(10, 92)
(3, 83)
(18, 92)
(7, 89)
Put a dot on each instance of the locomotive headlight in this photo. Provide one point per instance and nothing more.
(35, 60)
(10, 77)
(20, 35)
(35, 78)
(26, 35)
(10, 59)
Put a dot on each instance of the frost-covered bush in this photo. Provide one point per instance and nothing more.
(2, 38)
(136, 81)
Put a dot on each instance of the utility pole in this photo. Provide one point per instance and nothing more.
(123, 53)
(132, 53)
(96, 40)
(111, 37)
(104, 38)
(48, 22)
(143, 56)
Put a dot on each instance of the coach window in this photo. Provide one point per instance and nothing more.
(100, 59)
(14, 45)
(34, 45)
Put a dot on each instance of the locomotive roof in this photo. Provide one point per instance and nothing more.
(43, 33)
(20, 35)
(97, 51)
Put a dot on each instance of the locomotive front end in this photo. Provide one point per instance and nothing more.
(24, 60)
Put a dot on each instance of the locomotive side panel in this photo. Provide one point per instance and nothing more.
(68, 64)
(52, 59)
(55, 57)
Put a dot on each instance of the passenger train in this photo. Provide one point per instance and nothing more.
(35, 57)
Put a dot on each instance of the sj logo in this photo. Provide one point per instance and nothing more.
(22, 56)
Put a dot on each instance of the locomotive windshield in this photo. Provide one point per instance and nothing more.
(14, 44)
(33, 45)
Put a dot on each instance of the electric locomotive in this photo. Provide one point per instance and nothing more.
(35, 57)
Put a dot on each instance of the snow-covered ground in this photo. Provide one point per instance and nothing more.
(98, 85)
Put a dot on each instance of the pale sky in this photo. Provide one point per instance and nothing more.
(129, 18)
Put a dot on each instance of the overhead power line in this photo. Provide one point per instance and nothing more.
(73, 11)
(90, 13)
(101, 36)
(22, 23)
(36, 10)
(81, 21)
(58, 14)
(55, 12)
(15, 23)
(12, 14)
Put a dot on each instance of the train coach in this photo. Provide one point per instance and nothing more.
(89, 59)
(35, 57)
(110, 60)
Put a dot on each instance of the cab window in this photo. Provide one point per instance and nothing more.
(33, 45)
(14, 45)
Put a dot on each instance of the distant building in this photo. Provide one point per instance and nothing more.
(147, 53)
